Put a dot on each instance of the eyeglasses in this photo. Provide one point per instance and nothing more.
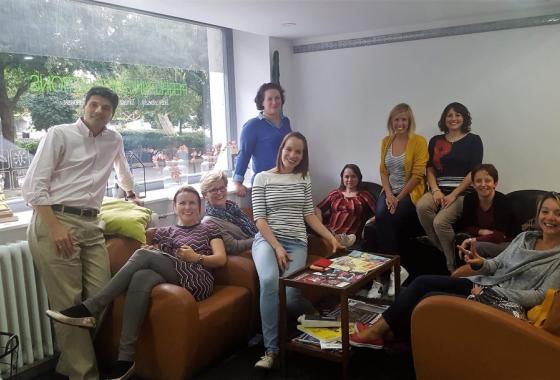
(222, 189)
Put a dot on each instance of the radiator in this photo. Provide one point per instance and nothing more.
(23, 301)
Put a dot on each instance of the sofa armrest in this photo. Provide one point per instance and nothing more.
(120, 249)
(238, 271)
(455, 338)
(319, 246)
(168, 339)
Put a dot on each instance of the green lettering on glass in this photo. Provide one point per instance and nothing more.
(52, 83)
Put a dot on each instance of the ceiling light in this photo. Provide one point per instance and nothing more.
(28, 57)
(288, 24)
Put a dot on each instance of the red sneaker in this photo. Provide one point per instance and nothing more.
(356, 341)
(360, 326)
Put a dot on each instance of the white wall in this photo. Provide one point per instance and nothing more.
(509, 80)
(251, 69)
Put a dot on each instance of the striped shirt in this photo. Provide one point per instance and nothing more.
(194, 277)
(283, 200)
(347, 215)
(395, 167)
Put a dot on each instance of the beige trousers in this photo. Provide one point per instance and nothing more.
(438, 224)
(69, 281)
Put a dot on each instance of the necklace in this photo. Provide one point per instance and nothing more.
(454, 139)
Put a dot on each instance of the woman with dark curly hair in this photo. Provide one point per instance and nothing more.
(262, 135)
(452, 157)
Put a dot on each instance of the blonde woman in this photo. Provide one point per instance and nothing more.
(237, 229)
(404, 155)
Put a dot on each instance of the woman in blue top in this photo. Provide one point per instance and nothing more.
(262, 135)
(452, 157)
(282, 205)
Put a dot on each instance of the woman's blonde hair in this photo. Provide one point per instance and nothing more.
(402, 108)
(210, 178)
(550, 195)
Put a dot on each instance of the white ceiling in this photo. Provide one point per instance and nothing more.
(314, 18)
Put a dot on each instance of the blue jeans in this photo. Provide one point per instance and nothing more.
(389, 227)
(269, 273)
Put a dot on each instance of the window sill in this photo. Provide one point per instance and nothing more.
(153, 197)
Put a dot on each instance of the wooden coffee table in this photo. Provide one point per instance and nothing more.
(342, 292)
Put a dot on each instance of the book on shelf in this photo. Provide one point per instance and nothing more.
(325, 334)
(306, 339)
(359, 311)
(6, 215)
(358, 262)
(315, 320)
(6, 219)
(330, 277)
(329, 338)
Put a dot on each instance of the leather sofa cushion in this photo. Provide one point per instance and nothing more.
(224, 320)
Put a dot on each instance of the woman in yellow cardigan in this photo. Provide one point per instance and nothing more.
(404, 155)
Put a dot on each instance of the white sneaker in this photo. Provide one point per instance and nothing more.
(347, 240)
(391, 289)
(376, 291)
(268, 361)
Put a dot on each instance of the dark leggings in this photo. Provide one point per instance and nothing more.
(399, 314)
(141, 273)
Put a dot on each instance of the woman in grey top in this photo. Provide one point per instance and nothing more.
(237, 229)
(522, 273)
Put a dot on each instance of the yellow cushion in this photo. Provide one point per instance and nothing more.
(125, 219)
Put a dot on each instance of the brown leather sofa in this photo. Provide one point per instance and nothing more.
(180, 336)
(454, 338)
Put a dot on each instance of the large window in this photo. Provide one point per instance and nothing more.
(169, 74)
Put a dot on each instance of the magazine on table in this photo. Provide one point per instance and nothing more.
(330, 277)
(358, 262)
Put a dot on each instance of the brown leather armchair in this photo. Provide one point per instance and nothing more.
(180, 336)
(454, 338)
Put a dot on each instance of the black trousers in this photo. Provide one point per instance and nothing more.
(399, 315)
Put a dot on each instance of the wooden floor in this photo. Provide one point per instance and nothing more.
(365, 364)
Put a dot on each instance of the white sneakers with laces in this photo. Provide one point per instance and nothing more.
(376, 291)
(391, 288)
(268, 361)
(346, 240)
(378, 288)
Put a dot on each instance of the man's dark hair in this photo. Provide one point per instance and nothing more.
(105, 92)
(259, 98)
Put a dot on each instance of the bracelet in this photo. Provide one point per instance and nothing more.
(435, 191)
(200, 259)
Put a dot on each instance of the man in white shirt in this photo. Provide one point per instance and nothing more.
(65, 185)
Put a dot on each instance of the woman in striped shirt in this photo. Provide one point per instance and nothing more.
(452, 157)
(282, 205)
